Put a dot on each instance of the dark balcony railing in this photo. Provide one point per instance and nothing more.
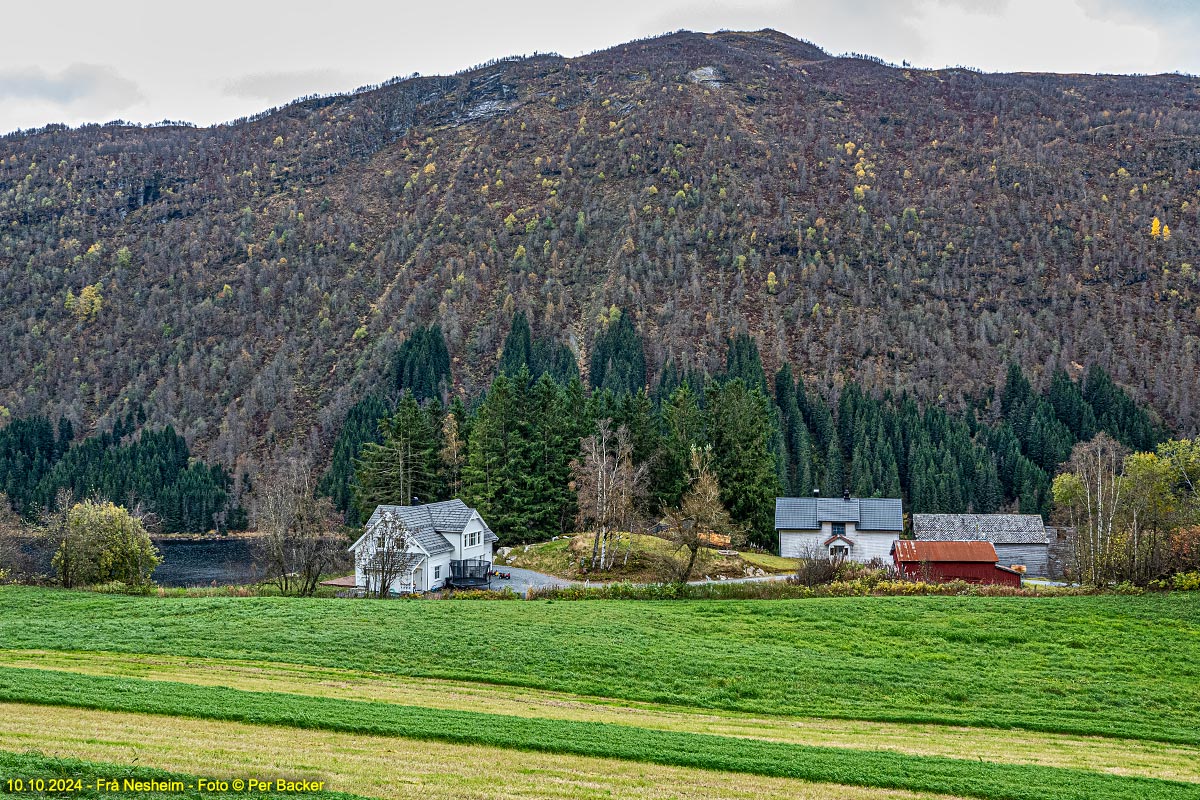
(469, 572)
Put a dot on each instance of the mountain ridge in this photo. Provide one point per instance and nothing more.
(890, 225)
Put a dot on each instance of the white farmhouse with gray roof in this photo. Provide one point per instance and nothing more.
(448, 543)
(850, 528)
(1019, 539)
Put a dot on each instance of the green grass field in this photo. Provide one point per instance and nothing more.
(1085, 697)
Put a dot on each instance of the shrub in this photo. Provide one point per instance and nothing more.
(105, 544)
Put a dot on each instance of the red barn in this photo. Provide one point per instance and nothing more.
(973, 562)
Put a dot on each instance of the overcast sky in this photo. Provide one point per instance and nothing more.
(148, 60)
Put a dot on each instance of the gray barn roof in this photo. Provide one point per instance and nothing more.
(994, 528)
(429, 522)
(868, 513)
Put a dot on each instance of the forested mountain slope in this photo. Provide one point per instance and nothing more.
(907, 229)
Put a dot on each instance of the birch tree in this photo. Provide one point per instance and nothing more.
(608, 484)
(1088, 497)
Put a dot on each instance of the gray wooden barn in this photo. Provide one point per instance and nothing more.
(1018, 538)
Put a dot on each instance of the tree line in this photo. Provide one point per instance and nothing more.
(141, 468)
(512, 451)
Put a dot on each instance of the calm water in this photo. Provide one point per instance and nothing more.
(225, 561)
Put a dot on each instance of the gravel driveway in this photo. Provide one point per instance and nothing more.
(523, 579)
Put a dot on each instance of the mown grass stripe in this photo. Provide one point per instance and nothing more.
(1123, 667)
(387, 767)
(817, 764)
(35, 765)
(1097, 754)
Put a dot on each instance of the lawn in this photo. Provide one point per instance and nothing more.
(1110, 665)
(821, 698)
(561, 557)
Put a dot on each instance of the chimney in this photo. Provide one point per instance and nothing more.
(816, 492)
(845, 494)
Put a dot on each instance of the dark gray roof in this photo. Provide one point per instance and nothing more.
(994, 528)
(868, 513)
(429, 522)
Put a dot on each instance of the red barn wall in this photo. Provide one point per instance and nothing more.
(969, 571)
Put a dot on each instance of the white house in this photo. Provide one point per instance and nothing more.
(449, 544)
(850, 528)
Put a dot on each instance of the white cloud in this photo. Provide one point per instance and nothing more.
(230, 58)
(87, 89)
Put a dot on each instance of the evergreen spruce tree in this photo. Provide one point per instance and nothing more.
(738, 422)
(833, 483)
(1117, 413)
(547, 501)
(500, 477)
(1066, 398)
(618, 359)
(403, 468)
(422, 364)
(796, 439)
(518, 347)
(742, 361)
(360, 427)
(683, 430)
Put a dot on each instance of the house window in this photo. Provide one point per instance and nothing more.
(839, 551)
(472, 538)
(839, 529)
(437, 572)
(380, 542)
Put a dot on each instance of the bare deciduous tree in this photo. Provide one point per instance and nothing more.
(700, 521)
(607, 484)
(817, 567)
(297, 542)
(385, 556)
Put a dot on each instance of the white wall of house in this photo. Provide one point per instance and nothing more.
(868, 545)
(798, 544)
(437, 569)
(472, 544)
(366, 547)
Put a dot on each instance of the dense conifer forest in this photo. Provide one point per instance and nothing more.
(907, 231)
(144, 468)
(509, 449)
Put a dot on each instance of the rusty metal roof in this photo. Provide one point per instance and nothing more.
(909, 551)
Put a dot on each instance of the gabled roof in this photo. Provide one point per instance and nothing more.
(868, 513)
(994, 528)
(430, 523)
(909, 551)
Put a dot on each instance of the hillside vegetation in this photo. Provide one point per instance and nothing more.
(908, 229)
